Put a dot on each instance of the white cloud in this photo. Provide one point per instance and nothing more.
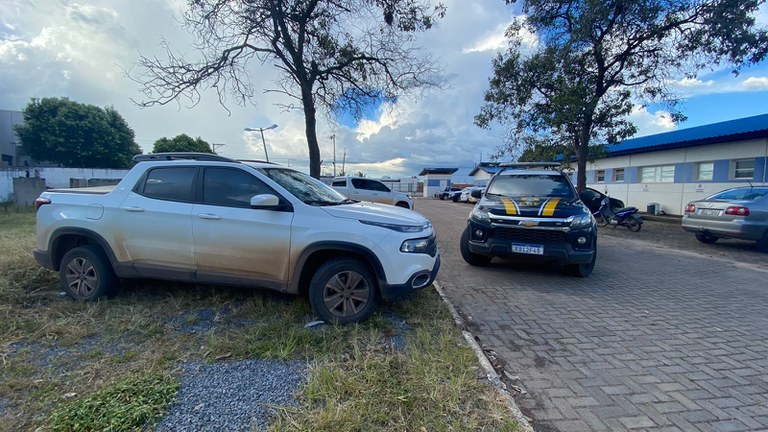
(695, 82)
(651, 123)
(75, 50)
(494, 41)
(755, 83)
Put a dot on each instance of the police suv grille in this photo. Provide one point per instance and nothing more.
(529, 235)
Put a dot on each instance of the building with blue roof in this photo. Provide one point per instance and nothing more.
(673, 168)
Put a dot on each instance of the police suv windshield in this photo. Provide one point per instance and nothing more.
(541, 185)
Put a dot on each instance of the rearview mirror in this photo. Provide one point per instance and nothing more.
(477, 193)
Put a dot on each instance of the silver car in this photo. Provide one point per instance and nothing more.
(740, 213)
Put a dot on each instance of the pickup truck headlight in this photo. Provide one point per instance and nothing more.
(415, 246)
(399, 228)
(480, 215)
(582, 221)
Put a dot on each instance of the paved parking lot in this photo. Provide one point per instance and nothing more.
(667, 334)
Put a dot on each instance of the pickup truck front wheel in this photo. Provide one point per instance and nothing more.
(86, 273)
(343, 291)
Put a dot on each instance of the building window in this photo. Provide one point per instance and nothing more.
(658, 174)
(600, 175)
(704, 170)
(618, 175)
(744, 169)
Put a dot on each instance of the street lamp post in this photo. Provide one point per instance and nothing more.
(333, 137)
(261, 130)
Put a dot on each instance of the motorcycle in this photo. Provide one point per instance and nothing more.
(626, 216)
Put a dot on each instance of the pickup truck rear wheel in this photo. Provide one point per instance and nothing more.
(343, 291)
(86, 273)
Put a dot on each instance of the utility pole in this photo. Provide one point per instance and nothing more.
(333, 137)
(343, 161)
(214, 146)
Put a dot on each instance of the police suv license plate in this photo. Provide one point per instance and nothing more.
(530, 249)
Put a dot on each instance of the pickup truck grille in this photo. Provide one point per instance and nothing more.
(529, 235)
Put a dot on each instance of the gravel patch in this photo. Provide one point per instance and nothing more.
(236, 396)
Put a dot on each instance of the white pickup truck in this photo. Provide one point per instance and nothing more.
(364, 189)
(206, 218)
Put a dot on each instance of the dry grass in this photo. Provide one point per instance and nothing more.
(58, 357)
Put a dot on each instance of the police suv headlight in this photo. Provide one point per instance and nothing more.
(582, 221)
(480, 215)
(415, 246)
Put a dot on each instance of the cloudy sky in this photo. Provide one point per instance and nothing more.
(80, 49)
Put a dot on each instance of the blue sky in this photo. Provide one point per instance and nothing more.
(79, 50)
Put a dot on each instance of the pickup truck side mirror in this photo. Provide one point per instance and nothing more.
(265, 201)
(476, 193)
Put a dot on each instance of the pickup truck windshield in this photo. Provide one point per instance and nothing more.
(309, 190)
(531, 185)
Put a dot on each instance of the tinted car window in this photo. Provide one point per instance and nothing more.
(231, 187)
(170, 184)
(531, 185)
(747, 194)
(339, 183)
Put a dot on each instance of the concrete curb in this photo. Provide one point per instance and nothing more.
(490, 373)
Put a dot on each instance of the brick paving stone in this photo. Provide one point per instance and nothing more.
(657, 338)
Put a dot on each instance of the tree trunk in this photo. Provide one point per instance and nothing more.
(310, 122)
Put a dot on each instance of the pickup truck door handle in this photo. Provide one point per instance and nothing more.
(209, 216)
(133, 209)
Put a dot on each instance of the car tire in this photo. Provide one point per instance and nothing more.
(601, 220)
(583, 270)
(705, 238)
(469, 256)
(343, 291)
(86, 274)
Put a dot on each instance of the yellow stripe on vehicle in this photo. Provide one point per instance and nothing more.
(509, 206)
(548, 208)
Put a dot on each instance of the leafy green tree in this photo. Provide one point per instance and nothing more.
(77, 135)
(597, 58)
(333, 55)
(181, 143)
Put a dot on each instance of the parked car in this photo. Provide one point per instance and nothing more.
(531, 214)
(365, 189)
(593, 198)
(466, 194)
(447, 193)
(206, 218)
(740, 213)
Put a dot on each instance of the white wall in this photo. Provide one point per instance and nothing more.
(431, 190)
(54, 177)
(673, 197)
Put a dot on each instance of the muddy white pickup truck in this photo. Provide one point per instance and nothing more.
(205, 218)
(364, 189)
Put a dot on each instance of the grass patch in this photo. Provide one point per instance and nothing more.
(127, 405)
(406, 368)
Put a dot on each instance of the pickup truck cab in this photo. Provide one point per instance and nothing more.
(205, 218)
(364, 189)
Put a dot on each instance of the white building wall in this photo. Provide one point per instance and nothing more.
(434, 183)
(673, 197)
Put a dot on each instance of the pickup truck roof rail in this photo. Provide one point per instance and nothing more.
(181, 156)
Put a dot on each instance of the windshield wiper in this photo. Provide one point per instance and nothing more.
(321, 203)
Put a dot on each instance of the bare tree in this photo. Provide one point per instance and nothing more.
(336, 55)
